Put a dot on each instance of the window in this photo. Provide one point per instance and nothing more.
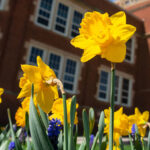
(69, 74)
(45, 13)
(61, 18)
(34, 52)
(1, 4)
(103, 87)
(65, 67)
(55, 63)
(123, 87)
(77, 17)
(130, 51)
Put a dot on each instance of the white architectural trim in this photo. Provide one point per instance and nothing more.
(2, 4)
(121, 76)
(64, 56)
(133, 46)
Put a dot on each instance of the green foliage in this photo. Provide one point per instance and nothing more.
(39, 136)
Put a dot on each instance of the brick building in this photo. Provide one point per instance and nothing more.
(45, 27)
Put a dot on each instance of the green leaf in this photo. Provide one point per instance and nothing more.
(38, 134)
(60, 141)
(76, 135)
(95, 141)
(29, 146)
(121, 144)
(65, 123)
(17, 144)
(43, 117)
(27, 123)
(148, 144)
(101, 126)
(72, 117)
(91, 119)
(82, 146)
(4, 145)
(86, 128)
(131, 143)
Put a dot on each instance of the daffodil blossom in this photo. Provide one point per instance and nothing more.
(103, 35)
(39, 75)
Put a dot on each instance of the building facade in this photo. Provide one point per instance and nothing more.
(45, 28)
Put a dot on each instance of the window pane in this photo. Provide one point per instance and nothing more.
(69, 75)
(103, 86)
(116, 87)
(44, 13)
(125, 91)
(33, 55)
(77, 17)
(129, 50)
(61, 19)
(54, 63)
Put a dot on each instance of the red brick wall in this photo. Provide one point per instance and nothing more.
(18, 29)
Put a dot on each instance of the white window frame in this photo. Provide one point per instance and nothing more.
(121, 76)
(67, 20)
(2, 4)
(80, 10)
(75, 76)
(64, 56)
(50, 19)
(132, 51)
(98, 85)
(29, 54)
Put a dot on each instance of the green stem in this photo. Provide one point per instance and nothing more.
(65, 123)
(112, 92)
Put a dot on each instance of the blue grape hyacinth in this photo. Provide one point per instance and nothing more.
(54, 131)
(133, 130)
(11, 146)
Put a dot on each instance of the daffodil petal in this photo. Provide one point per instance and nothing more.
(0, 100)
(90, 52)
(26, 90)
(118, 18)
(45, 70)
(81, 42)
(145, 115)
(45, 98)
(125, 32)
(113, 51)
(32, 73)
(137, 112)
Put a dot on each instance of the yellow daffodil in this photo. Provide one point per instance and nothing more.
(1, 92)
(140, 119)
(114, 147)
(57, 110)
(103, 35)
(20, 114)
(39, 75)
(120, 124)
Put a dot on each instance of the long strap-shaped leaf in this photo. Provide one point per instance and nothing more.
(39, 137)
(43, 117)
(101, 128)
(148, 145)
(72, 117)
(65, 123)
(17, 144)
(86, 128)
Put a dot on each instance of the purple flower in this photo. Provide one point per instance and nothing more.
(53, 131)
(11, 145)
(91, 140)
(54, 127)
(133, 130)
